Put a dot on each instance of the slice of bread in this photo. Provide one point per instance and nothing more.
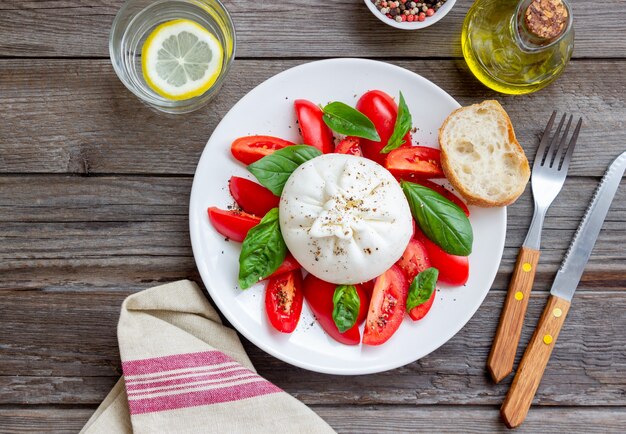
(481, 157)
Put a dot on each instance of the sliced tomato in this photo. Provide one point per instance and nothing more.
(382, 110)
(253, 198)
(319, 296)
(289, 264)
(249, 149)
(283, 300)
(419, 312)
(232, 224)
(445, 193)
(414, 260)
(349, 145)
(415, 163)
(314, 131)
(387, 307)
(453, 269)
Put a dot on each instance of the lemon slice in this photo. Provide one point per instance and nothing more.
(181, 59)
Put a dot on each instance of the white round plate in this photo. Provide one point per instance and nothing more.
(268, 109)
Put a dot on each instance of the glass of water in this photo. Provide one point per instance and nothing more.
(138, 19)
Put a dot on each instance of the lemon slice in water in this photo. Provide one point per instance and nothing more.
(181, 59)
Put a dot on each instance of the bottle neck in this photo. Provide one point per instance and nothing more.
(540, 24)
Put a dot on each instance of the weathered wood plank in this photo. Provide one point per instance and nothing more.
(74, 28)
(369, 419)
(60, 348)
(65, 232)
(51, 123)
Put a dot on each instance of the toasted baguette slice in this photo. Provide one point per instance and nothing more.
(481, 157)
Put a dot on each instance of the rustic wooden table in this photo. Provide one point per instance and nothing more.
(94, 189)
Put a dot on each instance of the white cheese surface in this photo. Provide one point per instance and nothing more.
(344, 218)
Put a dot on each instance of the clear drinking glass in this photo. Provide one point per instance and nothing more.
(138, 18)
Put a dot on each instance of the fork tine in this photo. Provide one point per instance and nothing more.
(559, 152)
(545, 137)
(571, 146)
(554, 141)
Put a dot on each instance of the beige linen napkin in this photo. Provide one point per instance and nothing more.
(185, 372)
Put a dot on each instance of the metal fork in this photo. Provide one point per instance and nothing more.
(548, 176)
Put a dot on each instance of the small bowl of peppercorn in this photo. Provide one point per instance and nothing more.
(410, 14)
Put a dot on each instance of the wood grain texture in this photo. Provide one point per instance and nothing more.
(73, 28)
(504, 347)
(534, 362)
(61, 348)
(75, 116)
(84, 233)
(367, 419)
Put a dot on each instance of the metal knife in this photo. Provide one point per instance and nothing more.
(533, 364)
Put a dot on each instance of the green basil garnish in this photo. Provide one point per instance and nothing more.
(346, 120)
(422, 288)
(441, 220)
(346, 305)
(262, 251)
(274, 169)
(402, 126)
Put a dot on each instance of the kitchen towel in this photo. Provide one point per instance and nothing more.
(185, 372)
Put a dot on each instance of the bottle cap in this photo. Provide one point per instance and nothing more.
(546, 18)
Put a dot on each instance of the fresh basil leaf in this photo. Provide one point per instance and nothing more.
(440, 219)
(422, 288)
(402, 126)
(262, 251)
(346, 305)
(344, 119)
(274, 169)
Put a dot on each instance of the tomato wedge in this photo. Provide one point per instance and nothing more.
(349, 145)
(419, 312)
(445, 193)
(232, 224)
(283, 300)
(414, 260)
(453, 269)
(415, 163)
(387, 307)
(314, 131)
(319, 296)
(253, 198)
(249, 149)
(382, 110)
(289, 264)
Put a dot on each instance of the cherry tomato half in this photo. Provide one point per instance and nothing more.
(382, 110)
(314, 131)
(453, 269)
(319, 296)
(420, 311)
(414, 260)
(349, 145)
(283, 300)
(253, 198)
(445, 193)
(415, 163)
(232, 224)
(249, 149)
(387, 307)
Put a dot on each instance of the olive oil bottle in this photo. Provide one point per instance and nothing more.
(518, 47)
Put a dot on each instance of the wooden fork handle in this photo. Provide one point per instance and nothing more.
(533, 364)
(504, 348)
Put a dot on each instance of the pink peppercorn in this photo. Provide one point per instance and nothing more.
(421, 16)
(383, 4)
(430, 12)
(403, 17)
(410, 18)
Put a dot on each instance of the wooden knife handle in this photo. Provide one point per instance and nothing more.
(533, 364)
(504, 348)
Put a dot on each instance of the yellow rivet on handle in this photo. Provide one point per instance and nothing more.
(547, 339)
(519, 295)
(557, 312)
(526, 267)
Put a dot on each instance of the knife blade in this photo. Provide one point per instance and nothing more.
(573, 265)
